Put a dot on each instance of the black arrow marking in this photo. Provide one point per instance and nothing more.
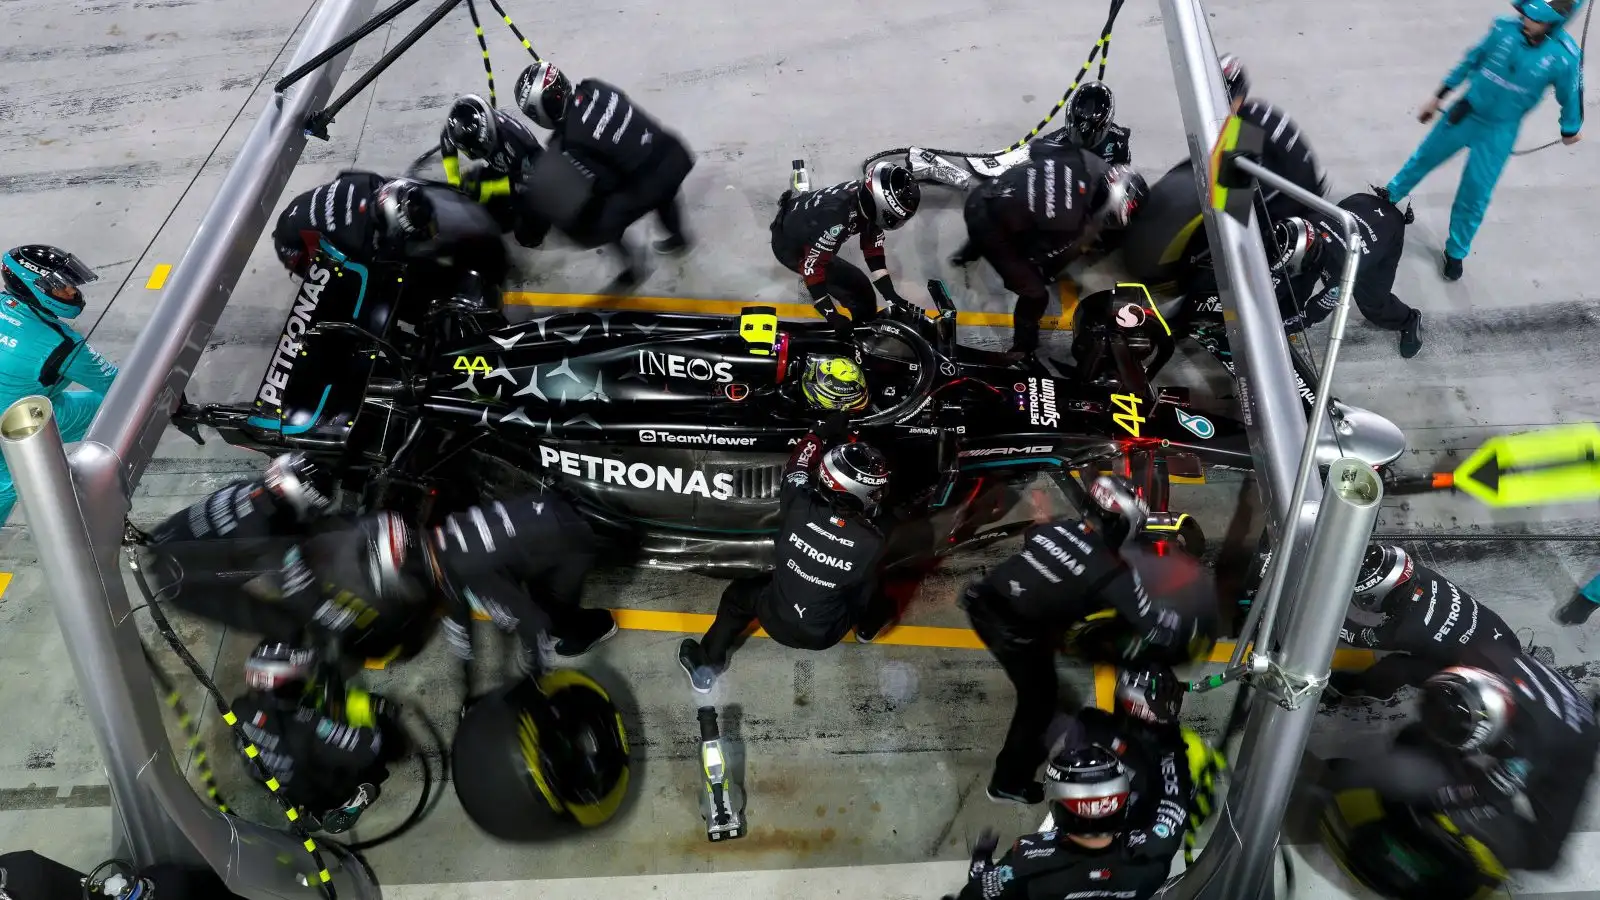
(1490, 473)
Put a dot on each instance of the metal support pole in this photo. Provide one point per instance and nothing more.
(1240, 866)
(342, 44)
(317, 123)
(1268, 602)
(1273, 414)
(158, 817)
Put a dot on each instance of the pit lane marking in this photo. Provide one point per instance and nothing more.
(1344, 660)
(970, 318)
(158, 277)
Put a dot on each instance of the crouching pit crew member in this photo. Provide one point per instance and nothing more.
(328, 747)
(507, 151)
(1035, 219)
(1490, 781)
(1087, 855)
(826, 578)
(1069, 569)
(811, 227)
(612, 161)
(362, 215)
(1421, 621)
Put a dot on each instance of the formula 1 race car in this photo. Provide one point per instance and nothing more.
(670, 431)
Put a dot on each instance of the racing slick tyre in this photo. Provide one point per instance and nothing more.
(1182, 532)
(1401, 855)
(541, 758)
(1162, 236)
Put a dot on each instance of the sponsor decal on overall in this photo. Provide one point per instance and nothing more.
(1199, 426)
(692, 367)
(1042, 402)
(282, 365)
(706, 439)
(826, 559)
(1130, 315)
(643, 476)
(1006, 451)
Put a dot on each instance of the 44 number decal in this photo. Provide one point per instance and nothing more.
(472, 364)
(1129, 417)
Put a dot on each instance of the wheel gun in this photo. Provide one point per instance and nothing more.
(723, 802)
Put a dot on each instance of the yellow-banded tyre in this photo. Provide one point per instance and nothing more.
(1406, 855)
(537, 760)
(1165, 233)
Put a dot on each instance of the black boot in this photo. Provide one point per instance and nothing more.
(1452, 268)
(672, 245)
(1411, 335)
(589, 628)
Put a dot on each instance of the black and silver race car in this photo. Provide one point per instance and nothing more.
(669, 430)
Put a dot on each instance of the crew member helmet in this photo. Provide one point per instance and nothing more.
(1234, 77)
(853, 476)
(834, 383)
(1091, 112)
(1115, 509)
(1384, 568)
(1151, 693)
(276, 667)
(1299, 244)
(1125, 192)
(889, 195)
(405, 211)
(1466, 708)
(47, 278)
(1088, 788)
(472, 127)
(295, 480)
(542, 92)
(395, 565)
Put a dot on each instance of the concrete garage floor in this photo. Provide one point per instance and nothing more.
(863, 754)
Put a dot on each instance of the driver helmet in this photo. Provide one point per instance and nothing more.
(276, 667)
(1234, 77)
(1125, 191)
(1091, 113)
(47, 278)
(1150, 693)
(1088, 789)
(1384, 568)
(304, 486)
(853, 475)
(834, 383)
(542, 92)
(889, 196)
(1466, 708)
(1115, 509)
(1299, 244)
(405, 211)
(395, 564)
(472, 127)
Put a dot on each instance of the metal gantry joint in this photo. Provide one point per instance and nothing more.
(1290, 688)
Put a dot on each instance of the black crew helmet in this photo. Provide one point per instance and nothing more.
(889, 195)
(1115, 509)
(1091, 112)
(1234, 77)
(542, 93)
(1297, 243)
(1383, 568)
(472, 127)
(1466, 709)
(1089, 790)
(1151, 692)
(275, 667)
(405, 211)
(301, 484)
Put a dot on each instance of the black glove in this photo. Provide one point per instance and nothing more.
(842, 325)
(984, 849)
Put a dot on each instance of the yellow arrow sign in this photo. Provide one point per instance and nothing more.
(1556, 465)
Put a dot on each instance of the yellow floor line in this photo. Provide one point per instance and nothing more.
(908, 636)
(5, 582)
(1105, 686)
(158, 277)
(1063, 322)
